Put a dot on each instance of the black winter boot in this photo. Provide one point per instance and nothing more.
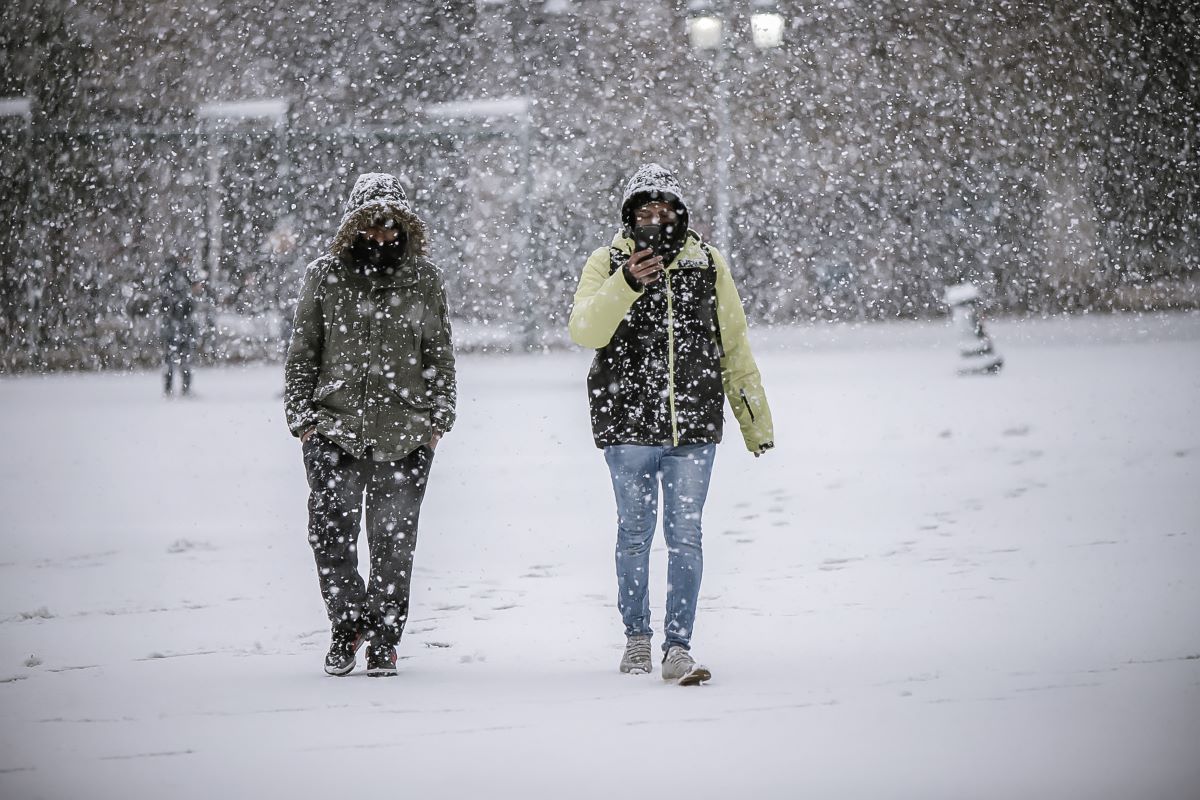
(342, 649)
(381, 660)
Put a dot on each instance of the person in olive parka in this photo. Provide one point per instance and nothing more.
(370, 389)
(660, 307)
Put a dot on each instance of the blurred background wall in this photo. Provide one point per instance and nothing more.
(853, 157)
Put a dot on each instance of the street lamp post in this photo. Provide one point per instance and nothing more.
(707, 20)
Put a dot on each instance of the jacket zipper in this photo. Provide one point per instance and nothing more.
(746, 402)
(671, 359)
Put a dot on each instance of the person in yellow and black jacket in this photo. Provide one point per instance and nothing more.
(660, 308)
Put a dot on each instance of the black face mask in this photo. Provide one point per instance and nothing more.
(379, 255)
(662, 239)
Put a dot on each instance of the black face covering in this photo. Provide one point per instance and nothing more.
(375, 255)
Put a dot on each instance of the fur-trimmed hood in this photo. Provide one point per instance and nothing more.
(377, 194)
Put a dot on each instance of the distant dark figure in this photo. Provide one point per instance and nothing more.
(176, 325)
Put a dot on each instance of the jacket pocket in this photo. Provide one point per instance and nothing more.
(415, 400)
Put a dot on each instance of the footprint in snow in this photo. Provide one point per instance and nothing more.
(186, 545)
(1025, 457)
(38, 613)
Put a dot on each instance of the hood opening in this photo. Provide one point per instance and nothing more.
(378, 197)
(654, 182)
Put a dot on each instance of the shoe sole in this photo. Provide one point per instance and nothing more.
(381, 672)
(340, 672)
(694, 677)
(635, 671)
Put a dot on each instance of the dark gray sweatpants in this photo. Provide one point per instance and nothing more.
(338, 483)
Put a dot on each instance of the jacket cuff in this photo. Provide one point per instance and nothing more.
(441, 421)
(627, 286)
(301, 425)
(630, 281)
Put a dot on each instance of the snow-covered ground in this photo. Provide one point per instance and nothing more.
(936, 587)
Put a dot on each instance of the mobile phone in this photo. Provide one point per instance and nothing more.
(649, 237)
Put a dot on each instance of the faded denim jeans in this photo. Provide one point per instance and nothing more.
(684, 472)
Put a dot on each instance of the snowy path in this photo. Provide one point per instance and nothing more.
(936, 588)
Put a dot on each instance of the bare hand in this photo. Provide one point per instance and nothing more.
(304, 436)
(645, 267)
(434, 438)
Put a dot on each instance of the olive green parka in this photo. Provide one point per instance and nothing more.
(370, 364)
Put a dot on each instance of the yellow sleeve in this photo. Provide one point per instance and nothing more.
(739, 373)
(601, 302)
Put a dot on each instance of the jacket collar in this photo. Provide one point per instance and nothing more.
(402, 277)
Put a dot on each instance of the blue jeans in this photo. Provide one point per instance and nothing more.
(636, 472)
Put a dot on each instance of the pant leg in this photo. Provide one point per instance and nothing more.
(185, 367)
(634, 473)
(394, 495)
(335, 480)
(168, 363)
(686, 471)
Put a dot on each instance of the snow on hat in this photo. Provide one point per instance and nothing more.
(375, 195)
(652, 182)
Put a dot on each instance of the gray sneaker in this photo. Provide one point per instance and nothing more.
(679, 666)
(636, 660)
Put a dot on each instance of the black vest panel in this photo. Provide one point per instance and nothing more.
(629, 383)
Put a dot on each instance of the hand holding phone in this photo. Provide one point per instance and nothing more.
(645, 267)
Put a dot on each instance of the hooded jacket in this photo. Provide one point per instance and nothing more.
(667, 354)
(371, 363)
